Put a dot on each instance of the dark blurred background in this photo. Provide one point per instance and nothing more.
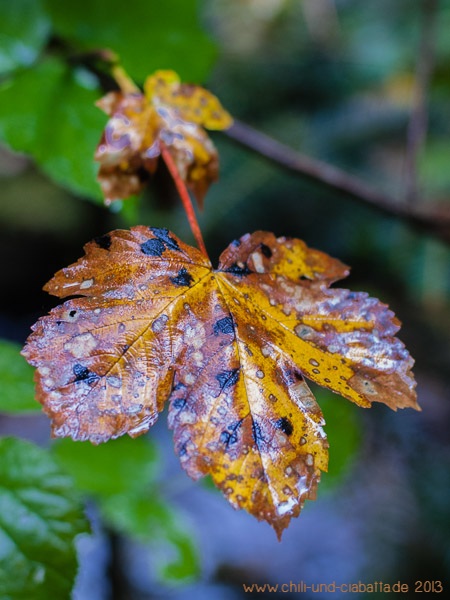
(337, 80)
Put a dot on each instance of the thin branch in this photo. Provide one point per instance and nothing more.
(338, 181)
(418, 123)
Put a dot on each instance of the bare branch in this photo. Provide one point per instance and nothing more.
(434, 220)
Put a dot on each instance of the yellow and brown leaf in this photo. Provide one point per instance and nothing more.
(169, 113)
(229, 348)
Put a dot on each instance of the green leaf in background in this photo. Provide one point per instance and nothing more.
(122, 475)
(121, 465)
(49, 112)
(39, 519)
(24, 29)
(16, 381)
(343, 434)
(146, 34)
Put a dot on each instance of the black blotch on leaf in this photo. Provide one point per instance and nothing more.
(293, 376)
(103, 241)
(257, 433)
(224, 325)
(183, 278)
(227, 379)
(163, 235)
(266, 251)
(285, 425)
(297, 375)
(182, 451)
(72, 313)
(153, 247)
(229, 436)
(82, 373)
(235, 269)
(179, 403)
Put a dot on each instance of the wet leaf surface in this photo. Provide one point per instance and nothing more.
(170, 113)
(229, 348)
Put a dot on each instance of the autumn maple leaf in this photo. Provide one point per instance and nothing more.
(170, 115)
(229, 348)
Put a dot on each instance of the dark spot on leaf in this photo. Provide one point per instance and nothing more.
(224, 325)
(182, 450)
(72, 313)
(84, 374)
(229, 436)
(235, 269)
(183, 278)
(257, 433)
(266, 251)
(179, 403)
(304, 278)
(227, 379)
(293, 376)
(153, 247)
(163, 235)
(285, 425)
(103, 241)
(236, 243)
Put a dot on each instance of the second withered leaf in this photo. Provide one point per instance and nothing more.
(170, 114)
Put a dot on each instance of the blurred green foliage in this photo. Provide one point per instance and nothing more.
(40, 515)
(146, 35)
(24, 30)
(16, 377)
(58, 126)
(124, 476)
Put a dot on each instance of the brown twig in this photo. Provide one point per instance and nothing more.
(418, 123)
(336, 180)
